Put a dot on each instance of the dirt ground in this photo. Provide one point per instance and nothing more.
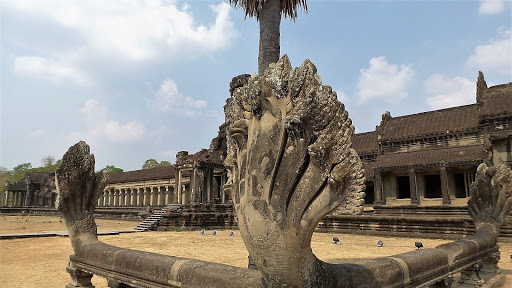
(41, 262)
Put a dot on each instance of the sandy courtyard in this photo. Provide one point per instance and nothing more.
(41, 262)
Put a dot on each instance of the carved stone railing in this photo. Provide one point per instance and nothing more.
(290, 163)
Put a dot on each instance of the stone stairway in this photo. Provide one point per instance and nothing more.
(151, 222)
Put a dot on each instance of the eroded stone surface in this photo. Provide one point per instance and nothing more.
(78, 188)
(290, 163)
(490, 196)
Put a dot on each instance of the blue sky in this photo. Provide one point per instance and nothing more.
(146, 79)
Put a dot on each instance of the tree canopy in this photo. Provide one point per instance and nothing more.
(111, 169)
(48, 161)
(21, 168)
(253, 8)
(153, 163)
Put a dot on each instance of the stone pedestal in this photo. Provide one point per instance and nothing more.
(79, 278)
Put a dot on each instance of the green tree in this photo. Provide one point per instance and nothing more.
(150, 163)
(111, 169)
(21, 168)
(164, 163)
(48, 161)
(268, 14)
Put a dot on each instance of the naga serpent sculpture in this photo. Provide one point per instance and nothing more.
(290, 163)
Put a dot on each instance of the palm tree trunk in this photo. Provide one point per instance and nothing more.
(270, 22)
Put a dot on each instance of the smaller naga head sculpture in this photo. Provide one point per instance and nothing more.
(290, 163)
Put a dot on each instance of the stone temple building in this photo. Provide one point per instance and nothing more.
(424, 159)
(196, 178)
(36, 189)
(430, 158)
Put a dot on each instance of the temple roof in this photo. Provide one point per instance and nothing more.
(452, 156)
(496, 101)
(432, 123)
(37, 177)
(20, 185)
(365, 143)
(166, 172)
(368, 170)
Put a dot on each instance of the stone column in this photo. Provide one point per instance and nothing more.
(378, 190)
(116, 197)
(133, 202)
(106, 198)
(444, 186)
(15, 199)
(101, 199)
(119, 197)
(208, 185)
(184, 199)
(128, 197)
(178, 186)
(412, 187)
(140, 195)
(222, 181)
(161, 200)
(6, 198)
(170, 194)
(154, 196)
(112, 195)
(147, 196)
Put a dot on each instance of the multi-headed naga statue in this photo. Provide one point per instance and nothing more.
(290, 162)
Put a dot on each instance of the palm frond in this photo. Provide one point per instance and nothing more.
(252, 7)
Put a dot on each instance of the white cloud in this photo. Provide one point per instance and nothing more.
(99, 125)
(342, 97)
(169, 98)
(384, 81)
(134, 30)
(448, 92)
(491, 6)
(36, 133)
(49, 69)
(495, 56)
(169, 155)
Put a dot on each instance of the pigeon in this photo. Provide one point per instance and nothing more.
(231, 233)
(380, 243)
(418, 244)
(214, 233)
(335, 240)
(202, 231)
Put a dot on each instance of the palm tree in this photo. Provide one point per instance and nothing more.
(268, 13)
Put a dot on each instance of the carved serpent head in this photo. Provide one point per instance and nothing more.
(290, 159)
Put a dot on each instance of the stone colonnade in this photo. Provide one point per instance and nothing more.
(22, 199)
(415, 186)
(137, 196)
(14, 198)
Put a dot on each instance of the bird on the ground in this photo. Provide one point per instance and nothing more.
(418, 244)
(335, 240)
(202, 231)
(214, 233)
(231, 233)
(380, 243)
